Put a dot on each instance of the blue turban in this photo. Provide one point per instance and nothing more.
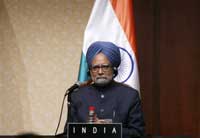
(110, 50)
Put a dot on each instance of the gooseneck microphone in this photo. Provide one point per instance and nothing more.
(72, 88)
(68, 92)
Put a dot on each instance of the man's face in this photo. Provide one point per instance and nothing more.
(101, 70)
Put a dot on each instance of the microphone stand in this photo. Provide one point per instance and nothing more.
(68, 93)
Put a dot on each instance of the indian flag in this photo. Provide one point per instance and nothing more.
(112, 20)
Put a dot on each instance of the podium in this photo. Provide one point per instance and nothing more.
(85, 130)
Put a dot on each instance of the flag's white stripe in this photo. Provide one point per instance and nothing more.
(104, 25)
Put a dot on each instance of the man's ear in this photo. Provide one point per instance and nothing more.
(88, 73)
(115, 71)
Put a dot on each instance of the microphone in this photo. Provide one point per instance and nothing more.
(69, 91)
(72, 88)
(75, 86)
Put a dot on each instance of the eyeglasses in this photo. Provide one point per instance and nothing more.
(104, 67)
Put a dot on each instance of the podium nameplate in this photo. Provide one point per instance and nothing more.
(84, 130)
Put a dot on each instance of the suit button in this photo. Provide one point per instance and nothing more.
(102, 96)
(101, 110)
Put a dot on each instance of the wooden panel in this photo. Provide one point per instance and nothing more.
(144, 23)
(167, 35)
(179, 65)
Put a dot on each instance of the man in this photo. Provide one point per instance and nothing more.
(112, 101)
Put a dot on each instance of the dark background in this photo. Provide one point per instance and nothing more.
(167, 33)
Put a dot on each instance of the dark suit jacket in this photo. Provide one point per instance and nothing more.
(116, 101)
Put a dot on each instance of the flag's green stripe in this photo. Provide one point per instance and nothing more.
(83, 69)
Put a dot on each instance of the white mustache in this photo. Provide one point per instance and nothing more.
(101, 77)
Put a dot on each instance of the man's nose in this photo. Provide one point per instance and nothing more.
(100, 71)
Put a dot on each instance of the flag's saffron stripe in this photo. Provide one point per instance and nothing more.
(124, 12)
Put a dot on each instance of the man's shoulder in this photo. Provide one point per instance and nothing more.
(125, 87)
(126, 91)
(82, 90)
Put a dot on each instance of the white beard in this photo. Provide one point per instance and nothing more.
(102, 81)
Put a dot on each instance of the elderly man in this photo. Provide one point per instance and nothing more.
(112, 100)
